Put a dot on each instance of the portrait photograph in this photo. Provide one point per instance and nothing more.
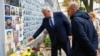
(8, 22)
(14, 2)
(7, 1)
(16, 11)
(16, 36)
(7, 9)
(9, 35)
(12, 10)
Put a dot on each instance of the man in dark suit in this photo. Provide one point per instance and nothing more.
(58, 28)
(85, 38)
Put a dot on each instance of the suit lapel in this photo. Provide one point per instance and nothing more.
(48, 24)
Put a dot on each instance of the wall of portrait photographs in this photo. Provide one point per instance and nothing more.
(22, 19)
(32, 16)
(13, 25)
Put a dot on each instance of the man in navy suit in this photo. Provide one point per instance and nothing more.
(58, 28)
(85, 38)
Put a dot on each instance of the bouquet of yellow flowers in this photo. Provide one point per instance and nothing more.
(28, 52)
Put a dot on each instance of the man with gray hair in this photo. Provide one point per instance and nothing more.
(58, 28)
(85, 38)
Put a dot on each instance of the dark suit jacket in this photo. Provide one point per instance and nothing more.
(85, 39)
(61, 29)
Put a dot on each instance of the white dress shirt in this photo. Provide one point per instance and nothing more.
(52, 18)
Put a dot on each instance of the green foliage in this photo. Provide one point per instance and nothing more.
(82, 8)
(34, 54)
(47, 41)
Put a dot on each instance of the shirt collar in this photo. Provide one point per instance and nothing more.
(51, 14)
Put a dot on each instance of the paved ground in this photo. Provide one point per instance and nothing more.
(47, 52)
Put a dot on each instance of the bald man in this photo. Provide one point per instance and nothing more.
(85, 38)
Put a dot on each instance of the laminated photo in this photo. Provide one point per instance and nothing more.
(8, 36)
(20, 12)
(20, 3)
(14, 2)
(7, 9)
(9, 49)
(16, 37)
(16, 23)
(9, 33)
(20, 35)
(16, 20)
(7, 1)
(8, 22)
(16, 11)
(12, 10)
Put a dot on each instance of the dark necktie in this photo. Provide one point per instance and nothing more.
(51, 23)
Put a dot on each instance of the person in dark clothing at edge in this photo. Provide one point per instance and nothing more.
(59, 29)
(85, 38)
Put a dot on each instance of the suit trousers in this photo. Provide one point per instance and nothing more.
(56, 45)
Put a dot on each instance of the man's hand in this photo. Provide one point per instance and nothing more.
(97, 52)
(70, 37)
(30, 38)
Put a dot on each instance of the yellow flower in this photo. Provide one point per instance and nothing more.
(13, 54)
(28, 51)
